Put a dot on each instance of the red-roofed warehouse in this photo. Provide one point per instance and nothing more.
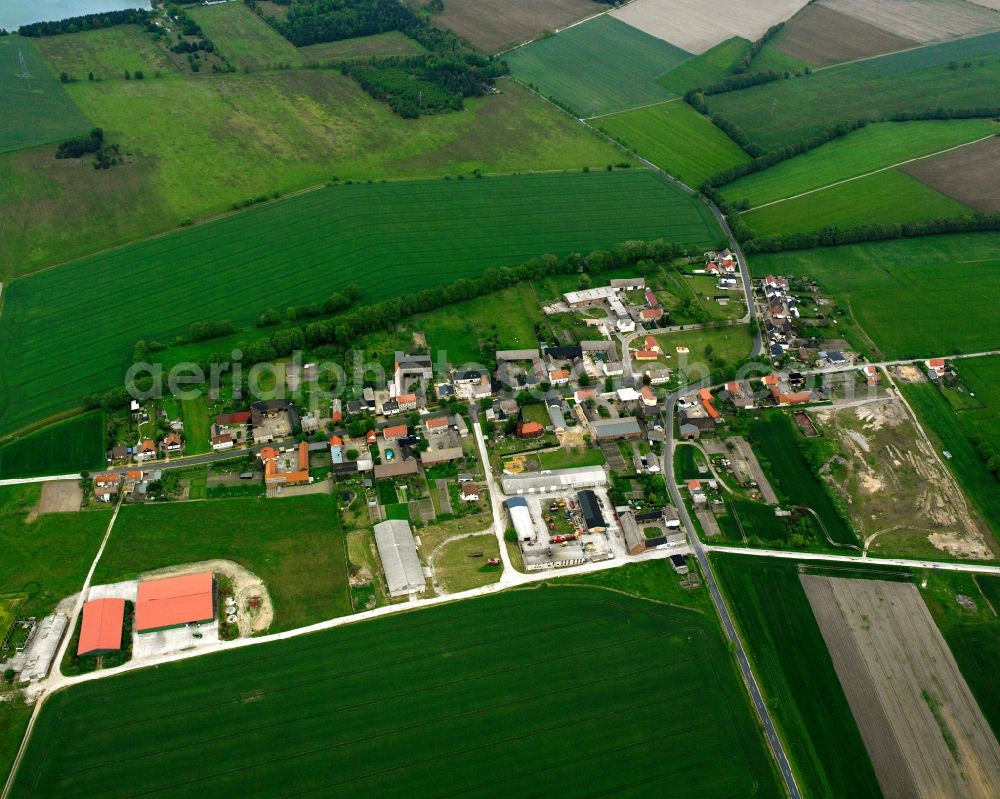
(101, 630)
(174, 602)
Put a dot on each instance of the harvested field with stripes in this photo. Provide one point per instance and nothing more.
(921, 20)
(967, 175)
(921, 725)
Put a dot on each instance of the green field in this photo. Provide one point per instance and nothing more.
(686, 461)
(107, 53)
(392, 43)
(982, 377)
(946, 431)
(712, 350)
(74, 445)
(771, 58)
(788, 111)
(676, 138)
(244, 38)
(776, 443)
(915, 298)
(295, 545)
(14, 716)
(197, 426)
(796, 676)
(598, 67)
(48, 558)
(711, 67)
(19, 498)
(753, 520)
(34, 106)
(886, 197)
(284, 131)
(873, 147)
(391, 238)
(423, 703)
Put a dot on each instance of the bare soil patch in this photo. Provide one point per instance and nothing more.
(967, 175)
(920, 723)
(895, 485)
(821, 36)
(923, 20)
(62, 496)
(255, 611)
(495, 24)
(699, 25)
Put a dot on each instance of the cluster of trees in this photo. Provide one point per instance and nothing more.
(200, 45)
(335, 303)
(743, 65)
(696, 99)
(744, 80)
(260, 198)
(202, 331)
(989, 454)
(108, 156)
(425, 84)
(108, 19)
(81, 145)
(948, 113)
(313, 21)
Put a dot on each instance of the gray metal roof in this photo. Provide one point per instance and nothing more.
(398, 552)
(616, 427)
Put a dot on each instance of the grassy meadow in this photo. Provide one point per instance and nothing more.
(107, 54)
(711, 67)
(676, 138)
(197, 426)
(796, 676)
(713, 349)
(787, 111)
(74, 445)
(295, 545)
(982, 377)
(417, 701)
(886, 197)
(873, 147)
(48, 558)
(391, 238)
(35, 109)
(599, 67)
(244, 38)
(391, 43)
(914, 298)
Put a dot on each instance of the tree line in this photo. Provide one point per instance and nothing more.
(108, 19)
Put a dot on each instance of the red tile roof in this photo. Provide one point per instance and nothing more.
(694, 485)
(394, 431)
(437, 422)
(336, 441)
(646, 355)
(101, 629)
(174, 601)
(240, 417)
(936, 362)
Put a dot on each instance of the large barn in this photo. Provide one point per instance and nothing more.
(101, 628)
(175, 602)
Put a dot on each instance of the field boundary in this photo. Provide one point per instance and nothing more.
(867, 174)
(920, 46)
(627, 110)
(541, 36)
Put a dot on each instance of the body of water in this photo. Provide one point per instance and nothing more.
(15, 13)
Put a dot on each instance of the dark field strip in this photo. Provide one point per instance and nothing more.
(586, 695)
(70, 331)
(71, 446)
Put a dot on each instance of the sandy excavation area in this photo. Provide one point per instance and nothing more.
(922, 727)
(895, 485)
(699, 25)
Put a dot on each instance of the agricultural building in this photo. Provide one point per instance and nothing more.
(611, 429)
(283, 469)
(554, 480)
(101, 629)
(590, 506)
(520, 517)
(403, 572)
(175, 602)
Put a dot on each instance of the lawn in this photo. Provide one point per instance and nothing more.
(751, 520)
(947, 432)
(913, 297)
(788, 111)
(284, 131)
(888, 197)
(197, 426)
(711, 67)
(982, 377)
(48, 559)
(34, 106)
(570, 458)
(599, 67)
(391, 238)
(74, 445)
(462, 565)
(776, 443)
(425, 700)
(107, 54)
(872, 147)
(796, 676)
(676, 138)
(295, 545)
(392, 43)
(244, 38)
(713, 349)
(686, 461)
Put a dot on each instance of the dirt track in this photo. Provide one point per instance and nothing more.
(920, 723)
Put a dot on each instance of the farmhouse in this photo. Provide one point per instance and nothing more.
(284, 468)
(398, 552)
(106, 486)
(658, 377)
(646, 355)
(146, 450)
(273, 419)
(470, 492)
(175, 602)
(411, 369)
(395, 432)
(697, 492)
(740, 394)
(101, 628)
(222, 441)
(649, 397)
(172, 442)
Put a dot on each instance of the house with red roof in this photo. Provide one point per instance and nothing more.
(646, 355)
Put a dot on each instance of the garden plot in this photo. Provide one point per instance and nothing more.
(921, 725)
(698, 25)
(923, 20)
(898, 491)
(967, 175)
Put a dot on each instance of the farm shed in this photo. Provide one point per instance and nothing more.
(609, 429)
(590, 506)
(540, 482)
(101, 629)
(403, 572)
(634, 541)
(520, 517)
(174, 602)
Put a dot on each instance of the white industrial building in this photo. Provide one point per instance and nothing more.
(403, 572)
(554, 480)
(520, 517)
